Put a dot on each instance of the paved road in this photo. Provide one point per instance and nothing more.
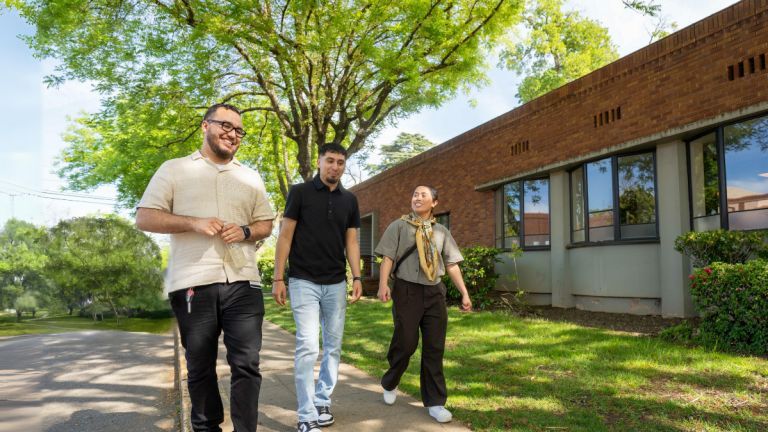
(100, 381)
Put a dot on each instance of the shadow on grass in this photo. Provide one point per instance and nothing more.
(506, 373)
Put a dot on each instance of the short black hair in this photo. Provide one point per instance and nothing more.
(432, 191)
(333, 148)
(212, 109)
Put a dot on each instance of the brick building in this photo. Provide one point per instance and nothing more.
(596, 179)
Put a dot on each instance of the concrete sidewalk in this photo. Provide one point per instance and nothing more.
(357, 402)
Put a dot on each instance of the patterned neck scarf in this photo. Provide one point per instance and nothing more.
(425, 244)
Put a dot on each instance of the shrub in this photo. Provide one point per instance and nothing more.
(732, 247)
(733, 302)
(479, 272)
(267, 271)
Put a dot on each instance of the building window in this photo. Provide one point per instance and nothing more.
(577, 205)
(525, 214)
(705, 189)
(637, 196)
(444, 219)
(600, 200)
(729, 170)
(614, 199)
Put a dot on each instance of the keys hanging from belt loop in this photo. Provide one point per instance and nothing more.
(190, 294)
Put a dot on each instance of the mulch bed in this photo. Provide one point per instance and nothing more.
(637, 324)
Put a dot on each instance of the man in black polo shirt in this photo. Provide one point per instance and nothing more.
(320, 221)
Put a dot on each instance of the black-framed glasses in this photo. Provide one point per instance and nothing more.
(228, 127)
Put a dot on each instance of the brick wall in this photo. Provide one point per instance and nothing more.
(692, 75)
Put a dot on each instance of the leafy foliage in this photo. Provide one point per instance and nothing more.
(559, 47)
(310, 72)
(479, 272)
(22, 261)
(724, 246)
(404, 147)
(105, 262)
(733, 302)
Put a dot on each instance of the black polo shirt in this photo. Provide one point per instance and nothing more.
(323, 217)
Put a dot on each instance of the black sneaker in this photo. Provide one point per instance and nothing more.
(324, 416)
(310, 426)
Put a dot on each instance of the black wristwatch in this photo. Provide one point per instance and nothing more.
(246, 231)
(360, 278)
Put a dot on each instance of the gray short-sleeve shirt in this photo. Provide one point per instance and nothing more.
(400, 236)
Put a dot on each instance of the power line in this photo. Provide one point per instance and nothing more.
(83, 201)
(38, 192)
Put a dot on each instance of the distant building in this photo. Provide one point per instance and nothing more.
(596, 179)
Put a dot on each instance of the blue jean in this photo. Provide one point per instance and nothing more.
(314, 307)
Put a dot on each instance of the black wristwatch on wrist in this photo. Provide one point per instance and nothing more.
(356, 278)
(246, 231)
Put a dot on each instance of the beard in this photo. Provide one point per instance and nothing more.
(332, 180)
(218, 147)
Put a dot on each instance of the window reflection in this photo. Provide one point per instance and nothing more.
(536, 217)
(600, 200)
(511, 210)
(637, 196)
(705, 183)
(577, 204)
(746, 170)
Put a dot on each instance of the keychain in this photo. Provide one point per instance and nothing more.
(190, 294)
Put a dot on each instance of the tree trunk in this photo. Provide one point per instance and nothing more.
(18, 315)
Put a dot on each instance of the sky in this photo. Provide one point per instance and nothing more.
(33, 117)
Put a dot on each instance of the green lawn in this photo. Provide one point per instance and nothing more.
(507, 373)
(65, 323)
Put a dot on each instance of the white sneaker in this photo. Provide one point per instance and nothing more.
(390, 396)
(440, 414)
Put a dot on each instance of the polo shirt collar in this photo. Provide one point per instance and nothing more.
(319, 185)
(197, 155)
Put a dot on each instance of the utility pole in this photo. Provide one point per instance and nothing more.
(13, 200)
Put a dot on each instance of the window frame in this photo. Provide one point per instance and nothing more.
(614, 160)
(447, 215)
(722, 186)
(521, 234)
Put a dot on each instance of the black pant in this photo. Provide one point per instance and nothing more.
(414, 307)
(237, 309)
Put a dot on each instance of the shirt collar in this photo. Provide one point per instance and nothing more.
(197, 155)
(319, 185)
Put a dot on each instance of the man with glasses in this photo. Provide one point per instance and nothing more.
(215, 209)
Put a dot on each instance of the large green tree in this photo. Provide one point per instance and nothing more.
(309, 72)
(404, 147)
(22, 263)
(105, 261)
(557, 47)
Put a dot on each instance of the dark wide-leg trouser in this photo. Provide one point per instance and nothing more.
(419, 307)
(238, 310)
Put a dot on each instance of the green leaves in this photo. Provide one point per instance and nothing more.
(730, 247)
(404, 147)
(313, 72)
(479, 272)
(559, 47)
(733, 302)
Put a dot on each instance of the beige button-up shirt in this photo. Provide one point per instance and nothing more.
(400, 236)
(195, 186)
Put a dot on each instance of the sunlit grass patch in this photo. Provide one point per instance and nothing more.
(508, 373)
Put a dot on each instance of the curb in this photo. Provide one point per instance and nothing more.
(180, 366)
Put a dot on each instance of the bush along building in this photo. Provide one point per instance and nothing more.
(596, 180)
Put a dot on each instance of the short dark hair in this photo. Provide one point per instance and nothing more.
(432, 191)
(212, 109)
(333, 148)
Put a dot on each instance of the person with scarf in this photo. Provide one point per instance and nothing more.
(418, 251)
